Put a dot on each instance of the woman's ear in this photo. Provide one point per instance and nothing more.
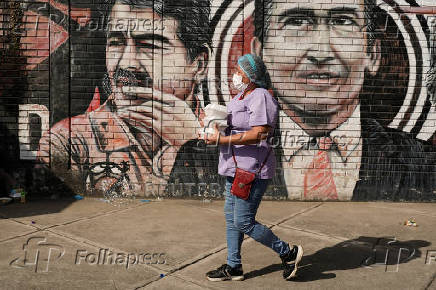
(374, 58)
(200, 64)
(256, 46)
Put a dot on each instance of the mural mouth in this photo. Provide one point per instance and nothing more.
(319, 77)
(314, 111)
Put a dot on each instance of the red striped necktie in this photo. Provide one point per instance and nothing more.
(318, 179)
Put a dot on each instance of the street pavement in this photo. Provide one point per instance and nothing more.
(172, 243)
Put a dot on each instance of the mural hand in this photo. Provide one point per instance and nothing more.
(167, 115)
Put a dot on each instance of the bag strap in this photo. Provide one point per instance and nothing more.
(234, 159)
(263, 163)
(245, 92)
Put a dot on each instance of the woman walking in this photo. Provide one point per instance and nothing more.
(252, 118)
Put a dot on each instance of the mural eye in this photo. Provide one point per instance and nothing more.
(342, 21)
(298, 21)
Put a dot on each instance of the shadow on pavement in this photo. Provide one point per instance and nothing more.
(33, 208)
(363, 251)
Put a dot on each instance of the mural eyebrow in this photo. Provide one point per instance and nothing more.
(343, 10)
(296, 12)
(151, 36)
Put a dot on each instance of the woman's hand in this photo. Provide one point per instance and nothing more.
(213, 138)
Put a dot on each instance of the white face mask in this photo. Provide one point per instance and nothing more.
(237, 82)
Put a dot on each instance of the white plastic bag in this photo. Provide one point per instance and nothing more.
(215, 114)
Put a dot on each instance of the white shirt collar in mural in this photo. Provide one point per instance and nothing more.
(347, 136)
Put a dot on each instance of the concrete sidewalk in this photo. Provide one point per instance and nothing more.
(171, 244)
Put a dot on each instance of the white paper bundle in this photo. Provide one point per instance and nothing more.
(215, 113)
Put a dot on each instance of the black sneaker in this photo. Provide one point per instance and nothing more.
(289, 268)
(225, 272)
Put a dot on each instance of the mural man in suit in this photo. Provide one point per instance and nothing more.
(318, 55)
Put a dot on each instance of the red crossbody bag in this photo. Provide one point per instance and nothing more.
(244, 179)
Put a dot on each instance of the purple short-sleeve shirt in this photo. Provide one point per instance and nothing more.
(256, 109)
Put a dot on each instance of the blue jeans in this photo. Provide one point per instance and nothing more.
(240, 219)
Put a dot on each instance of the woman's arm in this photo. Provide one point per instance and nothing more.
(252, 136)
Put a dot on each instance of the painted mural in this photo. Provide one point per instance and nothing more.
(109, 97)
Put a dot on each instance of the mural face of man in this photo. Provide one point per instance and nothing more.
(150, 71)
(149, 51)
(317, 54)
